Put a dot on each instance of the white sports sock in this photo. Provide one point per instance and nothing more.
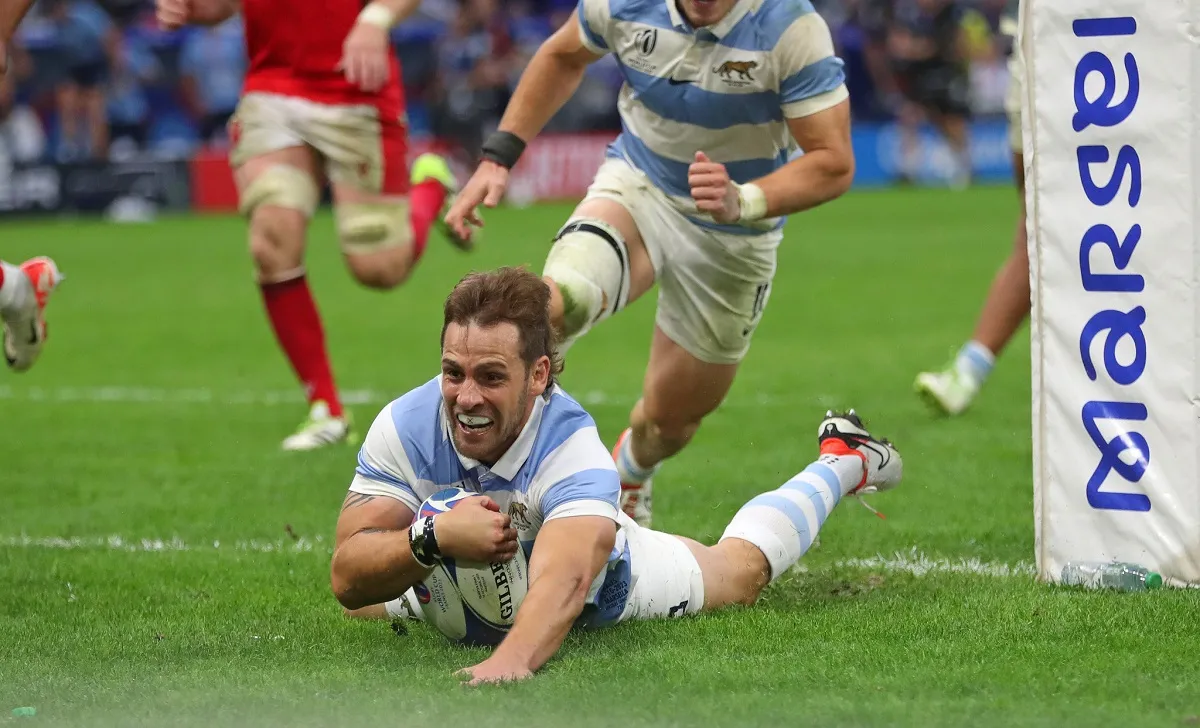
(784, 522)
(975, 361)
(630, 470)
(406, 607)
(15, 289)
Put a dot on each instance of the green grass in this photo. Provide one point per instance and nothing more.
(870, 291)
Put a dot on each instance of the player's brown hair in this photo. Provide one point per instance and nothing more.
(512, 295)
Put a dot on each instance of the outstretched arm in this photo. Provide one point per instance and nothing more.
(567, 556)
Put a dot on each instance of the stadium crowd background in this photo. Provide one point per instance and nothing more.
(97, 79)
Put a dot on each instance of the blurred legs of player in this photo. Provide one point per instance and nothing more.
(284, 146)
(952, 389)
(24, 292)
(619, 241)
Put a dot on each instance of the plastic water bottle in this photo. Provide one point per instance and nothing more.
(1110, 575)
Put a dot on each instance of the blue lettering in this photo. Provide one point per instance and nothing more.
(1127, 160)
(1099, 112)
(1110, 455)
(1114, 324)
(1103, 27)
(1121, 324)
(1121, 251)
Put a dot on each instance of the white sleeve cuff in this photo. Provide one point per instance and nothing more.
(367, 486)
(583, 508)
(816, 104)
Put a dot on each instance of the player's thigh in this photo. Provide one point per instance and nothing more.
(365, 159)
(641, 268)
(679, 389)
(666, 578)
(712, 296)
(277, 174)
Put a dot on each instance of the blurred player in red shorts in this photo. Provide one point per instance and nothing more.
(323, 100)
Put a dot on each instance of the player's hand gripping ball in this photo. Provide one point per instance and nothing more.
(471, 603)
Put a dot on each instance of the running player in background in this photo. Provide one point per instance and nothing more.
(24, 291)
(323, 100)
(952, 389)
(718, 94)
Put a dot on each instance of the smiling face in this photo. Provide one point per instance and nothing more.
(488, 390)
(702, 13)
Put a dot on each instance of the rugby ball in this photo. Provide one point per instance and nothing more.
(470, 603)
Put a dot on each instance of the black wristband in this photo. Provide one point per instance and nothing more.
(504, 148)
(423, 542)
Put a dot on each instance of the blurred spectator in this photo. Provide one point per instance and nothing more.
(88, 44)
(211, 67)
(128, 105)
(474, 62)
(21, 136)
(104, 64)
(931, 52)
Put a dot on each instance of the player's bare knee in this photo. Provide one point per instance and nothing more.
(276, 240)
(589, 268)
(668, 427)
(376, 238)
(278, 202)
(383, 270)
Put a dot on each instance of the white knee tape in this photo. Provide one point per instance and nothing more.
(282, 185)
(590, 264)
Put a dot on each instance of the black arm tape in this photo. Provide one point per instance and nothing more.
(424, 548)
(504, 148)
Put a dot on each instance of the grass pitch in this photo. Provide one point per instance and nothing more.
(165, 564)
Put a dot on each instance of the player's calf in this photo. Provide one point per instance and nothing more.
(783, 523)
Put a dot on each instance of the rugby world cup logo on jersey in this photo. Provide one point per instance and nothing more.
(1113, 322)
(642, 48)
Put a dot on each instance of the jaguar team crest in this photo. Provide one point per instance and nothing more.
(741, 69)
(519, 513)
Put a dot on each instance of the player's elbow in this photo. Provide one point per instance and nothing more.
(839, 173)
(345, 587)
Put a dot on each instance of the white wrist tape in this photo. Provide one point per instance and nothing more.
(752, 201)
(377, 14)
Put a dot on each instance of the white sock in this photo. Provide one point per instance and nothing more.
(406, 607)
(630, 470)
(975, 361)
(15, 289)
(784, 522)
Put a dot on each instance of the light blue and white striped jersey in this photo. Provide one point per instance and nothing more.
(726, 90)
(557, 468)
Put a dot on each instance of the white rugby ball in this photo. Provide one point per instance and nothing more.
(471, 603)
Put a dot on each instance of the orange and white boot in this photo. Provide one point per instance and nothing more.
(636, 483)
(23, 307)
(845, 434)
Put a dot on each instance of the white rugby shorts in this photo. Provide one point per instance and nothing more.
(712, 286)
